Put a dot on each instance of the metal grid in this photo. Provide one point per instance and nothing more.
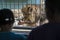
(18, 4)
(15, 3)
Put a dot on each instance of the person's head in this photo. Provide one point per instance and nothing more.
(6, 20)
(53, 10)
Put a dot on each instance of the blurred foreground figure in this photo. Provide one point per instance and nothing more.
(6, 22)
(51, 30)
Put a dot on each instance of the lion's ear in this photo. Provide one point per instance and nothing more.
(24, 10)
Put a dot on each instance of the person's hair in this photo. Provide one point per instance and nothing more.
(51, 6)
(6, 16)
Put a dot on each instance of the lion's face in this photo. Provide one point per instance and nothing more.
(30, 13)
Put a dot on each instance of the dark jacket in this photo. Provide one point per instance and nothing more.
(11, 36)
(50, 31)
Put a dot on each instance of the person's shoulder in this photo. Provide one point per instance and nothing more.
(45, 27)
(41, 27)
(18, 36)
(37, 31)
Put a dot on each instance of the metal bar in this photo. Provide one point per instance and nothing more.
(40, 12)
(2, 4)
(29, 28)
